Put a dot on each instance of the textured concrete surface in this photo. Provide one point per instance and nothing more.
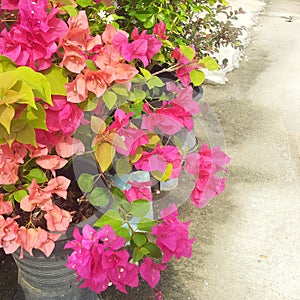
(248, 240)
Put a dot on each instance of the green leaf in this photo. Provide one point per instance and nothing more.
(155, 82)
(112, 218)
(163, 176)
(146, 73)
(119, 195)
(105, 153)
(85, 3)
(120, 89)
(91, 65)
(37, 81)
(26, 135)
(23, 94)
(71, 10)
(159, 57)
(154, 250)
(110, 99)
(150, 22)
(38, 175)
(7, 81)
(123, 166)
(19, 195)
(124, 233)
(6, 64)
(210, 63)
(9, 187)
(99, 197)
(137, 255)
(146, 224)
(188, 52)
(139, 208)
(137, 95)
(6, 115)
(139, 239)
(35, 117)
(197, 77)
(143, 16)
(57, 79)
(86, 182)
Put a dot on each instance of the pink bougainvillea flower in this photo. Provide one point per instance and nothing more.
(37, 196)
(8, 170)
(160, 30)
(46, 241)
(27, 238)
(57, 219)
(159, 158)
(173, 238)
(63, 116)
(74, 59)
(68, 146)
(16, 152)
(138, 190)
(169, 118)
(38, 151)
(76, 90)
(184, 98)
(121, 119)
(32, 40)
(151, 271)
(9, 4)
(51, 162)
(110, 32)
(95, 82)
(204, 165)
(136, 50)
(110, 239)
(5, 206)
(8, 234)
(58, 185)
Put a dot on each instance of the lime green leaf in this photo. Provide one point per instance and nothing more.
(9, 187)
(188, 52)
(154, 250)
(6, 115)
(57, 78)
(146, 224)
(210, 63)
(91, 65)
(86, 182)
(146, 73)
(197, 77)
(139, 239)
(143, 16)
(137, 95)
(110, 99)
(139, 208)
(7, 81)
(26, 135)
(150, 22)
(155, 82)
(35, 117)
(85, 3)
(6, 64)
(120, 89)
(19, 195)
(119, 195)
(112, 218)
(105, 153)
(123, 166)
(38, 175)
(37, 81)
(22, 93)
(124, 233)
(99, 197)
(71, 10)
(159, 57)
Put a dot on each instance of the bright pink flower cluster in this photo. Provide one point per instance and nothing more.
(173, 115)
(172, 235)
(159, 158)
(204, 165)
(183, 73)
(33, 39)
(98, 260)
(138, 190)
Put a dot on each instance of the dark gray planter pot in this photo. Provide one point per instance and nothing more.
(41, 277)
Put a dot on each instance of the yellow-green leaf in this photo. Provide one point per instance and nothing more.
(197, 77)
(57, 78)
(104, 154)
(163, 176)
(6, 64)
(188, 52)
(26, 135)
(123, 166)
(6, 115)
(98, 126)
(210, 63)
(110, 99)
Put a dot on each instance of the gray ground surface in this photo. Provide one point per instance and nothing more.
(247, 240)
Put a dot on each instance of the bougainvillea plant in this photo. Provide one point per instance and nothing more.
(67, 92)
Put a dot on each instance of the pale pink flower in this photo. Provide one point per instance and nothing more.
(46, 241)
(51, 162)
(58, 185)
(5, 206)
(57, 219)
(68, 146)
(76, 90)
(8, 234)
